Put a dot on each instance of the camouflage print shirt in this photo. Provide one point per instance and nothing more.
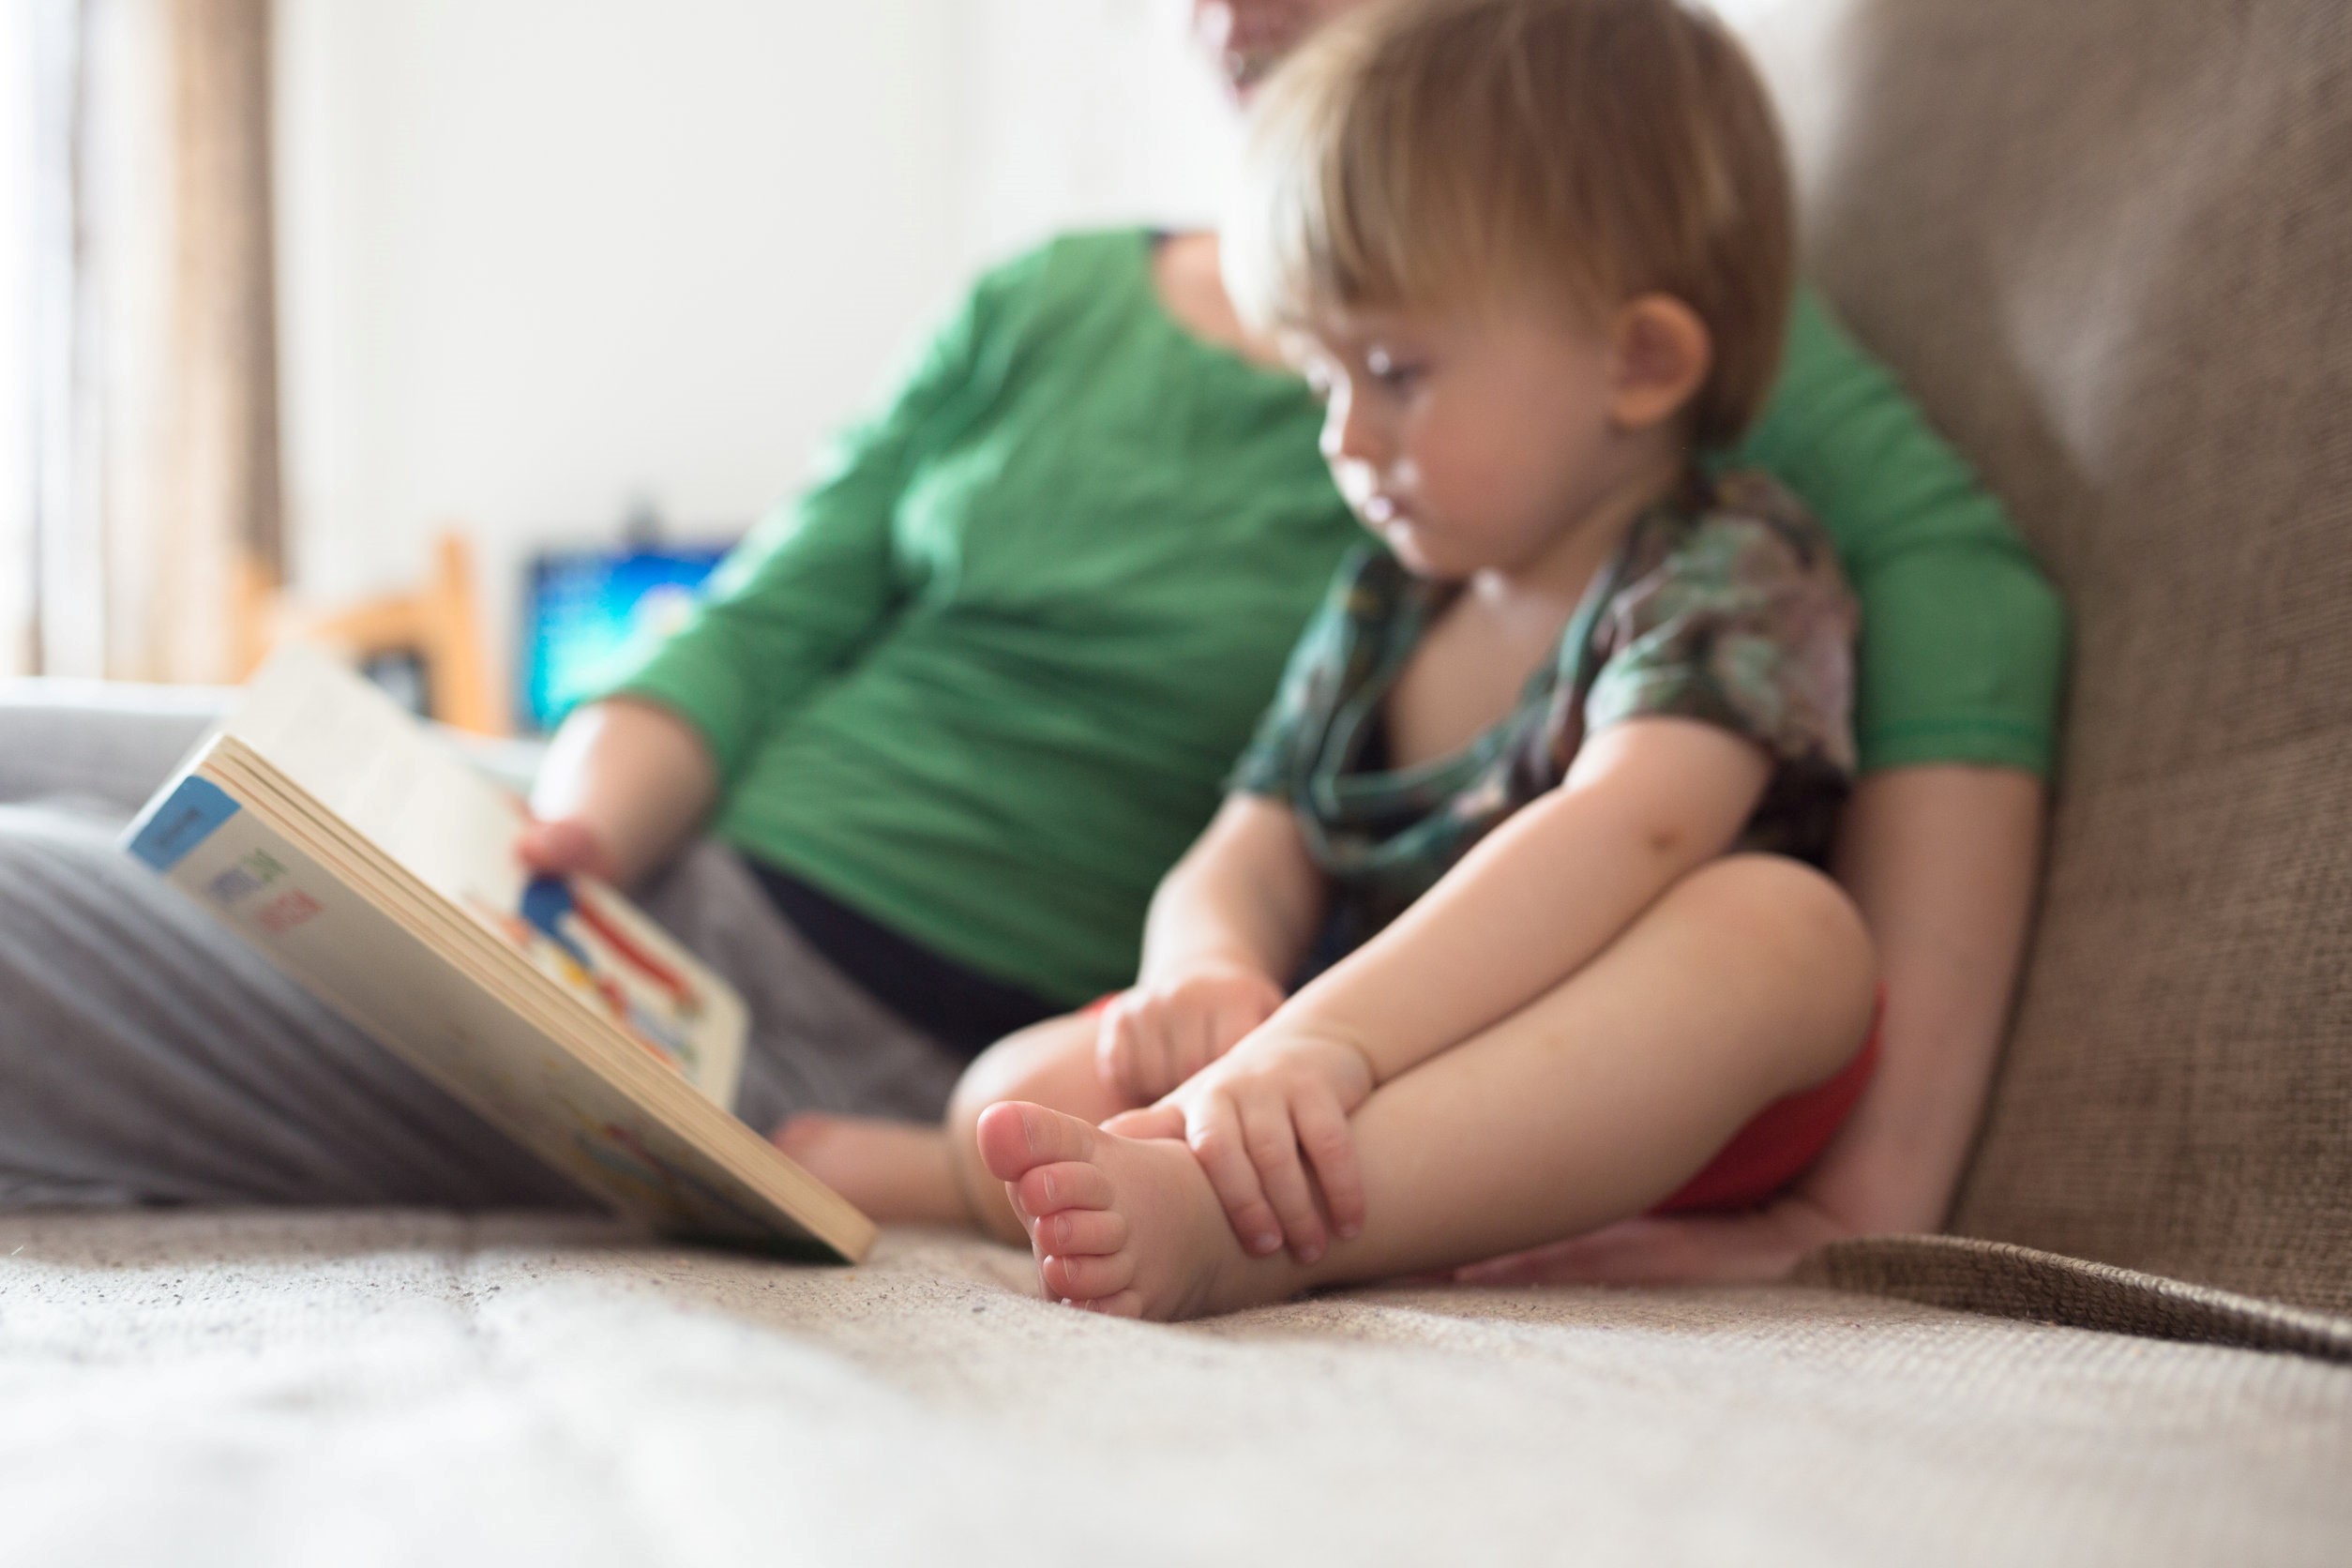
(1726, 606)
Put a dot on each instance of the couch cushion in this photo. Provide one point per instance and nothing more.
(2109, 243)
(2005, 1280)
(397, 1387)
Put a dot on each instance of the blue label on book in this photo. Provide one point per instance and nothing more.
(182, 822)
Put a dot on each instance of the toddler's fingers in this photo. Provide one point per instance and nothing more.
(1170, 1062)
(1323, 1134)
(1150, 1122)
(1216, 1137)
(1106, 1047)
(1226, 1031)
(1118, 1046)
(1274, 1148)
(1198, 1047)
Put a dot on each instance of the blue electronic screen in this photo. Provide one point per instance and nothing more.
(584, 607)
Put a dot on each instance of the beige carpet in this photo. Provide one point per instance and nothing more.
(409, 1388)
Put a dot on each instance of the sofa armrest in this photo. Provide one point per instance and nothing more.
(111, 744)
(105, 743)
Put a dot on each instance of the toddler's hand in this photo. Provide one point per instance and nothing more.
(1256, 1119)
(561, 847)
(1153, 1038)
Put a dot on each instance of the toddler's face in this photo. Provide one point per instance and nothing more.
(1468, 443)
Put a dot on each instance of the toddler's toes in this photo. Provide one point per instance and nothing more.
(1051, 1189)
(1081, 1232)
(1016, 1138)
(1087, 1278)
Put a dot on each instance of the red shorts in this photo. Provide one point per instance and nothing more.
(1781, 1140)
(1775, 1148)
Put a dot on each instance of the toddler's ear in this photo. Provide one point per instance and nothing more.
(1661, 352)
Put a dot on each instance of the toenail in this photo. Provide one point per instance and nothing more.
(1266, 1242)
(1351, 1232)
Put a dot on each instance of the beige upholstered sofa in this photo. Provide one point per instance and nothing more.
(2109, 243)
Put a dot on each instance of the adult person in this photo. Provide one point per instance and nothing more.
(950, 715)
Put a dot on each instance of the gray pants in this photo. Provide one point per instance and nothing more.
(147, 1054)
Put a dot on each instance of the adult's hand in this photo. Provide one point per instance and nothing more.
(624, 783)
(1750, 1247)
(561, 847)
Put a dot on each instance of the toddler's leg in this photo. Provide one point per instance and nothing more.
(1051, 1065)
(1750, 979)
(901, 1172)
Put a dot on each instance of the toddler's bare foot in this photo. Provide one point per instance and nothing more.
(899, 1172)
(1125, 1226)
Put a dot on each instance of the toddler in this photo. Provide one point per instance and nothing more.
(1560, 747)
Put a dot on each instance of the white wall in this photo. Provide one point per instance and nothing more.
(16, 325)
(1089, 112)
(544, 256)
(541, 258)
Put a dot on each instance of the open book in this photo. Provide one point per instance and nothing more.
(377, 868)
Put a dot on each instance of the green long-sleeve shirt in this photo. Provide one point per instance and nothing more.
(983, 679)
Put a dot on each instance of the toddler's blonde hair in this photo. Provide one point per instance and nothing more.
(1443, 153)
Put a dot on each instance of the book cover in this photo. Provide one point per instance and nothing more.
(377, 868)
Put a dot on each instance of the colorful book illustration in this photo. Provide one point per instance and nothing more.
(377, 868)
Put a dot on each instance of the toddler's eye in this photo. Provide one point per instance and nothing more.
(1393, 372)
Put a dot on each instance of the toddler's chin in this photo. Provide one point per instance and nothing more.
(1419, 554)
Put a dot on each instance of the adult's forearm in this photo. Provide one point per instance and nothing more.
(636, 776)
(1943, 862)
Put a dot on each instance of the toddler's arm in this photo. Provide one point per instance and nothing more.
(1644, 803)
(624, 783)
(1229, 925)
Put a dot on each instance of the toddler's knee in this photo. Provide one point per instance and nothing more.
(1043, 1064)
(1038, 1063)
(964, 1106)
(989, 1080)
(984, 1084)
(1790, 911)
